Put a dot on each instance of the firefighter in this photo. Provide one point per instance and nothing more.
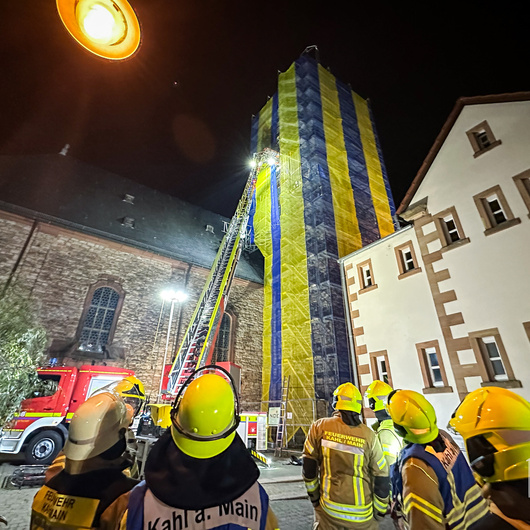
(344, 469)
(377, 395)
(132, 393)
(199, 474)
(89, 492)
(495, 425)
(433, 487)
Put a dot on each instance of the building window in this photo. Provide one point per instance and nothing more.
(433, 363)
(380, 366)
(494, 210)
(366, 276)
(491, 355)
(99, 318)
(223, 344)
(450, 228)
(406, 260)
(522, 181)
(432, 368)
(482, 138)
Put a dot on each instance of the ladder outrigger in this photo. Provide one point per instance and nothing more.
(198, 343)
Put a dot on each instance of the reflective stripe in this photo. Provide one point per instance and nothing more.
(326, 479)
(381, 463)
(463, 514)
(343, 447)
(347, 508)
(379, 504)
(30, 415)
(311, 485)
(307, 446)
(358, 488)
(414, 501)
(347, 512)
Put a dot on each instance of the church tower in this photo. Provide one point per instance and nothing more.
(329, 196)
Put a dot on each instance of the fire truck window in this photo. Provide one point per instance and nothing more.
(47, 386)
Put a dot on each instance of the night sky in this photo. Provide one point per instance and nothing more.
(176, 116)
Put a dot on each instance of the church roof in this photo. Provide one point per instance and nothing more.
(69, 193)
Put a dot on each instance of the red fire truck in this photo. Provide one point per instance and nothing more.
(41, 427)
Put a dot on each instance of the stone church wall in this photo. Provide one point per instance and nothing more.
(58, 266)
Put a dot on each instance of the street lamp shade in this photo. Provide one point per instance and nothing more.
(173, 295)
(108, 28)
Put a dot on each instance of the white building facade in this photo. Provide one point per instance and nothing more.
(443, 305)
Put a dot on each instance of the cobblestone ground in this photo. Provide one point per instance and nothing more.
(282, 482)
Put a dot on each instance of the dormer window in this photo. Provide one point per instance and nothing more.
(128, 198)
(482, 138)
(128, 222)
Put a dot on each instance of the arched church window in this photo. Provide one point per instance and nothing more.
(99, 318)
(223, 344)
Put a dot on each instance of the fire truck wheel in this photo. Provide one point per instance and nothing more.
(44, 447)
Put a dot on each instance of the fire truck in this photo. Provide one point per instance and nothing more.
(41, 426)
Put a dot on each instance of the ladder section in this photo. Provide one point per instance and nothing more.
(202, 330)
(283, 417)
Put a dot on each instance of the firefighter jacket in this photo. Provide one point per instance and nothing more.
(249, 511)
(96, 499)
(390, 441)
(353, 479)
(436, 490)
(185, 493)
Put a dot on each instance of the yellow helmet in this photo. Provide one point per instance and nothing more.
(131, 389)
(97, 425)
(413, 416)
(347, 397)
(495, 425)
(205, 418)
(377, 395)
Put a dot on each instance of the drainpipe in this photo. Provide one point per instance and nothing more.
(351, 342)
(20, 257)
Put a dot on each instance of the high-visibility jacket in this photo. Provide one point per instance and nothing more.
(437, 490)
(96, 499)
(249, 511)
(350, 458)
(390, 441)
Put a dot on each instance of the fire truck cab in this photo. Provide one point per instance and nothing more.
(41, 427)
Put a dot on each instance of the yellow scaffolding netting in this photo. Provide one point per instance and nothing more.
(297, 357)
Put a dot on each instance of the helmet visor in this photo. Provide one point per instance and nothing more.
(481, 455)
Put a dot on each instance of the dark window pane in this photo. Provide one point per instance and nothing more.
(492, 350)
(498, 368)
(433, 359)
(437, 374)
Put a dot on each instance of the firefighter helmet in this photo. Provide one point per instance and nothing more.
(495, 425)
(98, 424)
(377, 395)
(347, 397)
(131, 389)
(413, 416)
(206, 413)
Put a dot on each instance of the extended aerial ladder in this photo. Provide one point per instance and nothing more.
(198, 343)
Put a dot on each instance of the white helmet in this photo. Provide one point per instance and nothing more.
(96, 426)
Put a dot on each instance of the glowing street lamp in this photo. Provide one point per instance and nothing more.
(108, 28)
